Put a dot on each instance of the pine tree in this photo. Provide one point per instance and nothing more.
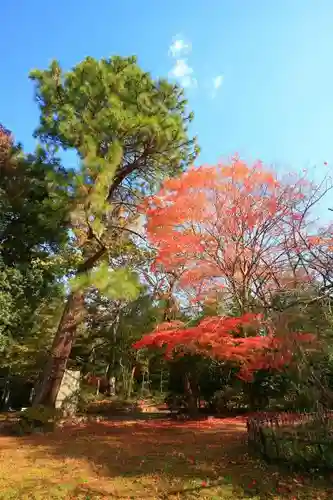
(129, 132)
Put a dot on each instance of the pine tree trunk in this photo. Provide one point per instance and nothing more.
(72, 316)
(55, 368)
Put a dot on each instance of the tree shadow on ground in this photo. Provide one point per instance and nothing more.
(165, 459)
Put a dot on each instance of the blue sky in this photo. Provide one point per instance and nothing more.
(272, 59)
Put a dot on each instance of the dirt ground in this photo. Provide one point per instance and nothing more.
(146, 459)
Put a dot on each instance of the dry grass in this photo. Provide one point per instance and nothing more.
(145, 460)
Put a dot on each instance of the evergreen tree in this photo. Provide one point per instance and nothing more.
(129, 132)
(32, 233)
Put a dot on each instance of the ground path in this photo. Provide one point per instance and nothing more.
(145, 459)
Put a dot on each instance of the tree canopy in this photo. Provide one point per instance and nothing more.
(129, 132)
(226, 269)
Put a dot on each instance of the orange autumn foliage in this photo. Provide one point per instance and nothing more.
(235, 228)
(232, 226)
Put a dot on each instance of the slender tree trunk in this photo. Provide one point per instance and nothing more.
(72, 316)
(191, 396)
(112, 386)
(143, 382)
(110, 380)
(130, 383)
(126, 389)
(98, 386)
(161, 382)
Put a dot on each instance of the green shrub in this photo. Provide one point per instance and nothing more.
(175, 402)
(38, 418)
(86, 397)
(100, 405)
(228, 399)
(304, 399)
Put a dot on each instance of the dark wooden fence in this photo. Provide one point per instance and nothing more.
(296, 439)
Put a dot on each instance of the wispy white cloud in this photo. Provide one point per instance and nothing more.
(181, 70)
(217, 83)
(179, 47)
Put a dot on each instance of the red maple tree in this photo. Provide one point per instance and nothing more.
(232, 227)
(235, 228)
(247, 340)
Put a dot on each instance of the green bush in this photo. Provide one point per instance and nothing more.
(86, 397)
(100, 405)
(227, 400)
(175, 402)
(158, 398)
(304, 399)
(38, 418)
